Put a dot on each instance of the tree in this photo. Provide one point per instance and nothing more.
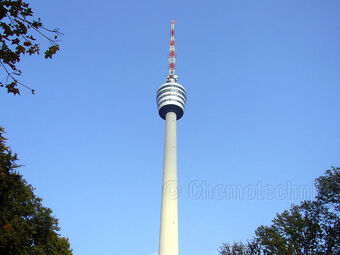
(235, 249)
(17, 27)
(313, 227)
(26, 227)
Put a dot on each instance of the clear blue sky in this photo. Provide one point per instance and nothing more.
(263, 84)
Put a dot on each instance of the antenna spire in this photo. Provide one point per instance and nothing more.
(172, 55)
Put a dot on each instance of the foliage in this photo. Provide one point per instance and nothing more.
(236, 248)
(313, 227)
(26, 227)
(17, 26)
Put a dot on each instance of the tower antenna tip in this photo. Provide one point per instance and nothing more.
(173, 21)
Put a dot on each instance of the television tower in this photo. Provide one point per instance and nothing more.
(171, 99)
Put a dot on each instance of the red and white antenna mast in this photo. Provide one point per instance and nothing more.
(172, 54)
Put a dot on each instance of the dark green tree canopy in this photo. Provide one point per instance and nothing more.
(313, 227)
(26, 227)
(18, 28)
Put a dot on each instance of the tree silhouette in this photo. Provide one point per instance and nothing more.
(313, 227)
(26, 227)
(18, 28)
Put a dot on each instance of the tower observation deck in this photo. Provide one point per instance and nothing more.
(171, 97)
(171, 100)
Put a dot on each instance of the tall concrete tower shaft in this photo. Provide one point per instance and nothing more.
(171, 100)
(168, 239)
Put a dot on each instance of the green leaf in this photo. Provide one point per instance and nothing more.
(27, 43)
(20, 49)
